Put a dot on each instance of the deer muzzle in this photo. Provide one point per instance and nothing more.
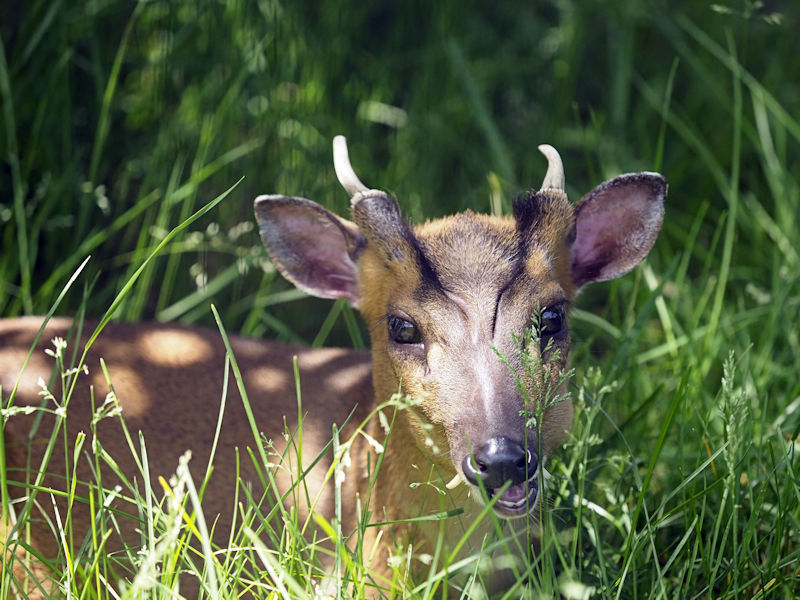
(502, 461)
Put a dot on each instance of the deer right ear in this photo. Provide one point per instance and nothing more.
(312, 247)
(616, 225)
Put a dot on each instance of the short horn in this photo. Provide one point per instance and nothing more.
(344, 171)
(554, 179)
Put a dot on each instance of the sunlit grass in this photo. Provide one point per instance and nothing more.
(679, 478)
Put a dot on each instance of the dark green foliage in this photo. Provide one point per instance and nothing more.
(119, 121)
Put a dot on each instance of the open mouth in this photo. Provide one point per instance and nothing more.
(508, 471)
(518, 499)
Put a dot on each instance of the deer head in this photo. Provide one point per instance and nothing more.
(441, 300)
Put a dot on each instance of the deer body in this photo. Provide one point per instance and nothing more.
(440, 300)
(169, 380)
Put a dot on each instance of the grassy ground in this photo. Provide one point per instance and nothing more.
(680, 479)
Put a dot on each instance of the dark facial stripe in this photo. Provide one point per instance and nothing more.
(429, 281)
(528, 209)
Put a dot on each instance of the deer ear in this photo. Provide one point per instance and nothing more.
(616, 225)
(312, 247)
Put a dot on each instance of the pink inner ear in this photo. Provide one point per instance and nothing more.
(320, 258)
(616, 225)
(310, 246)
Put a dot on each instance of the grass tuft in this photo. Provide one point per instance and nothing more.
(680, 477)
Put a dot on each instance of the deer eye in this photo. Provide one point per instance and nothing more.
(551, 321)
(403, 332)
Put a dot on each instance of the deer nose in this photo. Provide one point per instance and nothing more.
(499, 460)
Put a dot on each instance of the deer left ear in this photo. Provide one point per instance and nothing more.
(616, 225)
(311, 246)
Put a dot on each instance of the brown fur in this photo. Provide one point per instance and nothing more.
(169, 381)
(475, 258)
(467, 282)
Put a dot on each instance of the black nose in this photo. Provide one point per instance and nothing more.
(499, 460)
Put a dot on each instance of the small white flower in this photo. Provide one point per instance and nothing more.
(394, 561)
(17, 410)
(384, 422)
(341, 466)
(326, 591)
(60, 343)
(376, 445)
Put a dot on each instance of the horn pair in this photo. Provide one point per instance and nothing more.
(553, 179)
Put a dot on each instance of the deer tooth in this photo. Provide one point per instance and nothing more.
(455, 482)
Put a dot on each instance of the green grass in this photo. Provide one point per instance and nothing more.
(680, 477)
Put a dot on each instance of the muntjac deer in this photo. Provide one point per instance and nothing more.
(442, 301)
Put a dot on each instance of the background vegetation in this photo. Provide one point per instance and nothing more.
(120, 119)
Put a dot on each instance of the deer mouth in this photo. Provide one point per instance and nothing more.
(507, 473)
(518, 499)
